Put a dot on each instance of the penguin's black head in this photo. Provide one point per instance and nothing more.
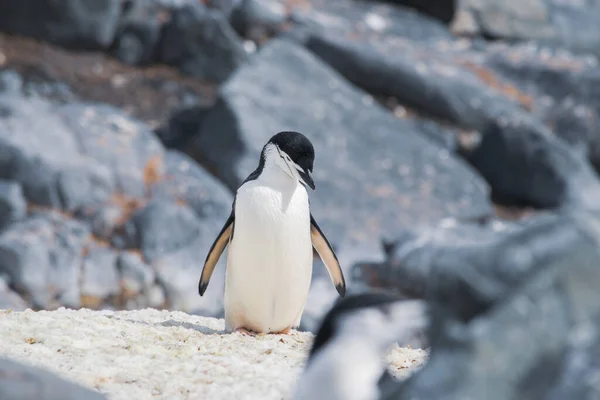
(376, 316)
(296, 155)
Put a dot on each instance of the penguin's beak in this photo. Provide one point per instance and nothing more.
(306, 178)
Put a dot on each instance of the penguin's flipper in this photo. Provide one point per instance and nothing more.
(321, 244)
(215, 252)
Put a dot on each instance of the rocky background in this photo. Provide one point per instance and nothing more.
(457, 158)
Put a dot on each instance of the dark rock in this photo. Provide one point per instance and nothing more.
(182, 126)
(428, 83)
(226, 7)
(526, 165)
(564, 88)
(136, 275)
(75, 24)
(548, 315)
(138, 34)
(201, 43)
(100, 277)
(13, 206)
(10, 300)
(23, 382)
(42, 257)
(258, 19)
(439, 9)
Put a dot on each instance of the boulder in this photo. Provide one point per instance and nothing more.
(42, 258)
(74, 24)
(439, 9)
(525, 301)
(75, 155)
(13, 206)
(136, 275)
(259, 20)
(201, 43)
(20, 381)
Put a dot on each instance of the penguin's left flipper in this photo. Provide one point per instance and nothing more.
(321, 244)
(215, 252)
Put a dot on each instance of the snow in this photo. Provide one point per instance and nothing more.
(164, 354)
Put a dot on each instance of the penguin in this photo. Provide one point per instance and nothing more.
(270, 235)
(345, 361)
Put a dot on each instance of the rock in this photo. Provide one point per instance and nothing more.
(542, 282)
(226, 7)
(74, 24)
(163, 227)
(439, 9)
(258, 20)
(13, 206)
(104, 221)
(10, 81)
(121, 143)
(138, 33)
(382, 25)
(201, 43)
(10, 300)
(100, 278)
(561, 85)
(552, 22)
(174, 240)
(182, 126)
(24, 382)
(402, 170)
(186, 182)
(42, 257)
(136, 275)
(39, 150)
(535, 168)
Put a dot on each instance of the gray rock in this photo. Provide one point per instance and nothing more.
(10, 300)
(175, 240)
(42, 257)
(407, 178)
(258, 19)
(443, 10)
(559, 23)
(38, 150)
(201, 43)
(163, 227)
(13, 206)
(75, 24)
(100, 277)
(542, 279)
(10, 81)
(113, 139)
(136, 275)
(24, 382)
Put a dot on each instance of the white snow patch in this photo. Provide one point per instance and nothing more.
(163, 354)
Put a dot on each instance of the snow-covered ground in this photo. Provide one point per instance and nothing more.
(164, 355)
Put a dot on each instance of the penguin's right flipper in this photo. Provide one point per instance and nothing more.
(215, 252)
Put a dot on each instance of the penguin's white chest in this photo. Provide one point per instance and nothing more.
(269, 263)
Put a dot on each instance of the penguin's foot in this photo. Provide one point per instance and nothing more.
(245, 332)
(286, 331)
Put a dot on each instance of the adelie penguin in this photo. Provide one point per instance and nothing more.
(270, 233)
